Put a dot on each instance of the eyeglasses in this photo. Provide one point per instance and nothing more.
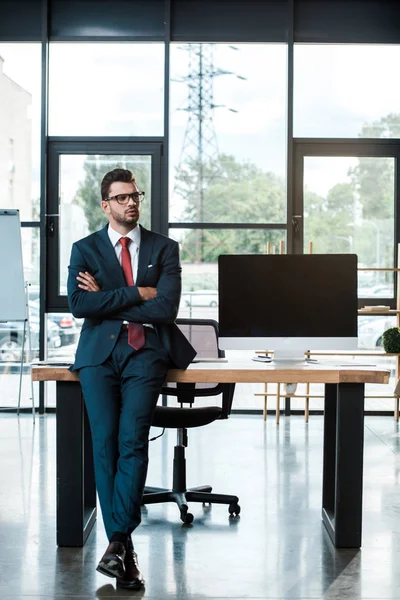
(124, 198)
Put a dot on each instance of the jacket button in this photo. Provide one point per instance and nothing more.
(112, 336)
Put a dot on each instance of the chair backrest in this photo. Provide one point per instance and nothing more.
(203, 335)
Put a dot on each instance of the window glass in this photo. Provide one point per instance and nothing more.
(20, 93)
(228, 133)
(343, 90)
(106, 89)
(63, 331)
(199, 251)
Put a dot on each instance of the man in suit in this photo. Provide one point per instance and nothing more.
(126, 283)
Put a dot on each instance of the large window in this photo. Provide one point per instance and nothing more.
(106, 89)
(228, 133)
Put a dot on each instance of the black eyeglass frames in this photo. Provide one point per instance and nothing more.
(124, 198)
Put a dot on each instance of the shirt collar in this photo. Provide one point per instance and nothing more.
(133, 235)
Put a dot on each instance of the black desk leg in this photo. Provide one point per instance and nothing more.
(76, 491)
(343, 463)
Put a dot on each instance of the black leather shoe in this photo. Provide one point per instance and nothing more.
(112, 562)
(133, 578)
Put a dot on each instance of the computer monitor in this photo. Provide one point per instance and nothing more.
(288, 303)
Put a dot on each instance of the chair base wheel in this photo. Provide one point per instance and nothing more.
(186, 517)
(154, 495)
(234, 510)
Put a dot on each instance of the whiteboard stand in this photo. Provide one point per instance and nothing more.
(27, 330)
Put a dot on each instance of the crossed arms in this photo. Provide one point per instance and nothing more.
(130, 303)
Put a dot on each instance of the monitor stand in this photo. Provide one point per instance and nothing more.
(289, 358)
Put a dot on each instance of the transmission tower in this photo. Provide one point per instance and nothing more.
(200, 145)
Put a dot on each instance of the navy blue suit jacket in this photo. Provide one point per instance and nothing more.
(104, 311)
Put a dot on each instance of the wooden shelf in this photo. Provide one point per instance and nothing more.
(378, 269)
(391, 311)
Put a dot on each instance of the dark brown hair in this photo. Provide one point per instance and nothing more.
(123, 175)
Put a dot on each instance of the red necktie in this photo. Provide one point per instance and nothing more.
(136, 337)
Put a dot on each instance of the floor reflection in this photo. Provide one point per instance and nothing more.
(278, 548)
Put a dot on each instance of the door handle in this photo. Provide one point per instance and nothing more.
(51, 224)
(296, 223)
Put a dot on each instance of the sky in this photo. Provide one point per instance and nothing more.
(117, 89)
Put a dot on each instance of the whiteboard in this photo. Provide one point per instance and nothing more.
(12, 285)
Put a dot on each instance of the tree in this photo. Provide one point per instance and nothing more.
(88, 194)
(328, 221)
(241, 193)
(373, 181)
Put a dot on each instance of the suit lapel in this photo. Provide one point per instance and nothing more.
(112, 266)
(146, 248)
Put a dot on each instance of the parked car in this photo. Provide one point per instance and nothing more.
(68, 329)
(11, 333)
(376, 291)
(69, 332)
(370, 330)
(200, 298)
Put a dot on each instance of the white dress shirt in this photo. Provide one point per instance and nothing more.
(134, 248)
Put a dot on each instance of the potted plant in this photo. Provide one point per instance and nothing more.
(391, 340)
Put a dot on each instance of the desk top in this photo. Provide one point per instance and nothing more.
(247, 371)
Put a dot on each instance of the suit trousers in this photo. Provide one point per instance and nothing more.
(120, 396)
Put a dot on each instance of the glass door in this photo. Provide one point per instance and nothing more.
(76, 169)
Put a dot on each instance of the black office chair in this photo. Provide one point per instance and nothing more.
(203, 335)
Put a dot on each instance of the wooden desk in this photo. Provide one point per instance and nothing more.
(343, 440)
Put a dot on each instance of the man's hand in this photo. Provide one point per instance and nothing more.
(88, 282)
(147, 293)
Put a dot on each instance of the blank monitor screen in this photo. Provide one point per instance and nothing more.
(309, 296)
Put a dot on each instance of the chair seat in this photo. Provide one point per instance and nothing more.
(177, 418)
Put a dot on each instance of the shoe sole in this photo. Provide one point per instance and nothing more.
(111, 567)
(131, 586)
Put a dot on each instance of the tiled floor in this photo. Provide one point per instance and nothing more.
(278, 549)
